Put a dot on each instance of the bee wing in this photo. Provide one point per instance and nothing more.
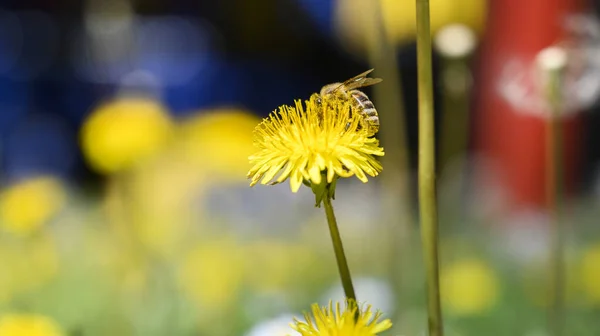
(359, 81)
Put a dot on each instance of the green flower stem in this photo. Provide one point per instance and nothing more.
(338, 248)
(554, 192)
(427, 189)
(398, 218)
(455, 120)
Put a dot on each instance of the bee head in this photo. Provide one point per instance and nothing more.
(316, 98)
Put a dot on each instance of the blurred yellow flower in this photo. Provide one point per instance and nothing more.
(121, 132)
(590, 274)
(28, 325)
(300, 143)
(219, 141)
(27, 205)
(212, 273)
(468, 286)
(399, 18)
(327, 321)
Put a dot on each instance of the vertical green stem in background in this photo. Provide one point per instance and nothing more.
(338, 248)
(455, 121)
(554, 191)
(397, 215)
(455, 44)
(427, 188)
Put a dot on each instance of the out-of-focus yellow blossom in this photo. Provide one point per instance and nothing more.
(301, 142)
(124, 131)
(469, 287)
(28, 325)
(219, 141)
(25, 206)
(353, 18)
(212, 273)
(590, 274)
(277, 264)
(330, 321)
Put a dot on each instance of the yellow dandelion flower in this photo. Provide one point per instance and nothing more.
(326, 321)
(27, 205)
(123, 131)
(314, 142)
(469, 287)
(28, 325)
(218, 141)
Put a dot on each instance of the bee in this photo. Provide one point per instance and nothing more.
(360, 102)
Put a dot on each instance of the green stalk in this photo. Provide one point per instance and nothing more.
(455, 120)
(397, 218)
(427, 188)
(338, 248)
(554, 191)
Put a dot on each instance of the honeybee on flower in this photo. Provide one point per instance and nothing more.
(327, 137)
(312, 143)
(360, 102)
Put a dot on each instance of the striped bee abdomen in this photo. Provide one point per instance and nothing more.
(363, 105)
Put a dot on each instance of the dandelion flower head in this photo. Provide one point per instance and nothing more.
(28, 325)
(469, 287)
(213, 140)
(123, 131)
(327, 321)
(25, 206)
(301, 142)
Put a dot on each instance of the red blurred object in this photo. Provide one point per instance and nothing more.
(509, 132)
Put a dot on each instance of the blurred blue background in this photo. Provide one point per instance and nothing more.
(58, 60)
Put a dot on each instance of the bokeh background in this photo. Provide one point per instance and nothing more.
(125, 128)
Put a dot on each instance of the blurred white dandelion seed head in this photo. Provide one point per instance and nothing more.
(455, 41)
(552, 58)
(522, 81)
(278, 326)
